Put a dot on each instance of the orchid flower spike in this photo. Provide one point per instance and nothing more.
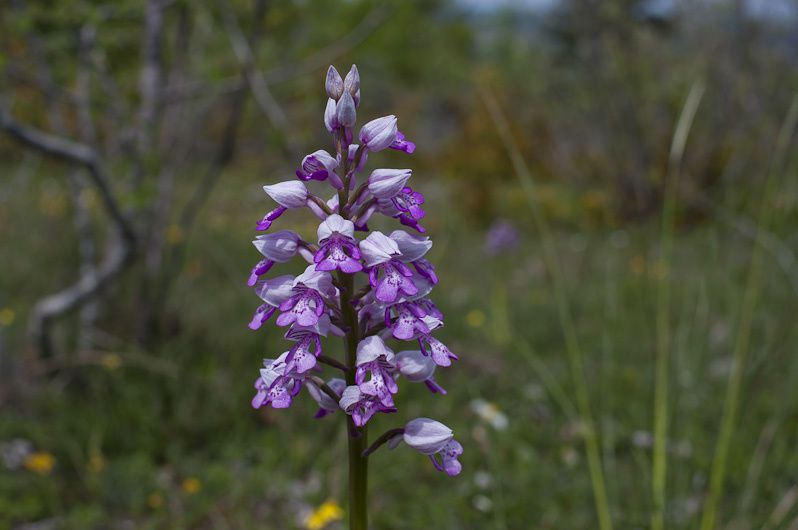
(371, 290)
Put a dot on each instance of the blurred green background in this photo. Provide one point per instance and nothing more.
(612, 196)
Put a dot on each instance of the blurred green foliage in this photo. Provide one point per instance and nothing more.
(593, 91)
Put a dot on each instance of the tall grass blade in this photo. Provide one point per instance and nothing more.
(660, 461)
(750, 296)
(566, 320)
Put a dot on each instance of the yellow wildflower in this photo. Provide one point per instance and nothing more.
(40, 462)
(191, 485)
(7, 316)
(323, 515)
(111, 361)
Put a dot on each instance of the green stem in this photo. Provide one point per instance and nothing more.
(358, 437)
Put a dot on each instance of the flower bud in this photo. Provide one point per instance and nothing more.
(427, 436)
(289, 194)
(334, 85)
(378, 134)
(378, 248)
(280, 246)
(345, 111)
(352, 84)
(385, 184)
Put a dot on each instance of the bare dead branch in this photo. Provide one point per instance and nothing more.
(257, 84)
(151, 71)
(56, 304)
(77, 153)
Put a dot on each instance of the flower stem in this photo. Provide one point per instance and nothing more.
(358, 438)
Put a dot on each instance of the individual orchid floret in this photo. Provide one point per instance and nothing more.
(288, 194)
(378, 248)
(306, 303)
(408, 203)
(352, 84)
(431, 346)
(387, 274)
(411, 247)
(276, 386)
(337, 246)
(274, 292)
(278, 247)
(391, 280)
(360, 405)
(385, 184)
(435, 440)
(378, 134)
(407, 322)
(376, 359)
(418, 368)
(400, 144)
(320, 165)
(426, 270)
(302, 356)
(334, 85)
(327, 405)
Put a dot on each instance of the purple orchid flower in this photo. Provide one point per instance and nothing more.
(376, 359)
(401, 144)
(378, 134)
(278, 247)
(387, 274)
(418, 368)
(306, 303)
(276, 386)
(337, 246)
(307, 344)
(431, 346)
(289, 194)
(435, 440)
(274, 292)
(320, 166)
(361, 406)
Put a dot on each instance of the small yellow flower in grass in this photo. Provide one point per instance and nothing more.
(323, 515)
(40, 462)
(155, 500)
(475, 318)
(191, 485)
(111, 361)
(7, 316)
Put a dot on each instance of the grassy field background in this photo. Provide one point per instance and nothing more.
(608, 316)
